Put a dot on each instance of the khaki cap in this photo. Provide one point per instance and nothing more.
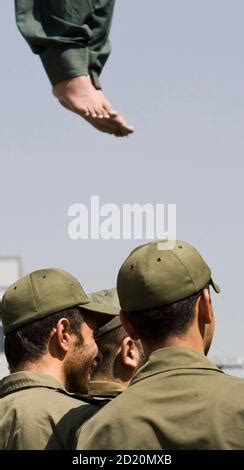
(107, 297)
(42, 293)
(152, 276)
(110, 326)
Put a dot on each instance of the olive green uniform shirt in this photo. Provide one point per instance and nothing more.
(177, 400)
(71, 36)
(105, 389)
(36, 412)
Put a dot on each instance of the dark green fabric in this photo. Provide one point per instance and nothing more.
(36, 412)
(71, 36)
(177, 400)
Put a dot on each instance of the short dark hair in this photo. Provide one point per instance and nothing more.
(157, 324)
(108, 345)
(29, 342)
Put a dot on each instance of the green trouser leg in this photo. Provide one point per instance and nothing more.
(71, 36)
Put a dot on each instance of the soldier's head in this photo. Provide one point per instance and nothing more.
(49, 325)
(165, 296)
(120, 356)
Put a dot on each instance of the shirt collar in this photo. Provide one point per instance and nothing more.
(27, 379)
(173, 358)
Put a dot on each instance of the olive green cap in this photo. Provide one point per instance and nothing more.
(42, 293)
(110, 326)
(107, 297)
(152, 276)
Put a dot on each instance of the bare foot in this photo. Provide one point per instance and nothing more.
(79, 95)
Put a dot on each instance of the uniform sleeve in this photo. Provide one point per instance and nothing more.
(70, 36)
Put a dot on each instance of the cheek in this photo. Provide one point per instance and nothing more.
(90, 346)
(94, 347)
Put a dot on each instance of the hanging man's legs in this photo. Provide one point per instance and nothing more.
(71, 37)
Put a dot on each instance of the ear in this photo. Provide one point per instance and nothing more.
(205, 306)
(127, 325)
(63, 333)
(129, 353)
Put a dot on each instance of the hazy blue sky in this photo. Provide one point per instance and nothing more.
(177, 73)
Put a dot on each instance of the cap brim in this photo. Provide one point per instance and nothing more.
(214, 286)
(109, 326)
(101, 308)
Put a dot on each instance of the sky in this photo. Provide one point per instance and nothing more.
(177, 73)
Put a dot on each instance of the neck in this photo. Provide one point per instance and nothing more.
(189, 341)
(43, 366)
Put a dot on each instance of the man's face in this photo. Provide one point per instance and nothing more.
(80, 358)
